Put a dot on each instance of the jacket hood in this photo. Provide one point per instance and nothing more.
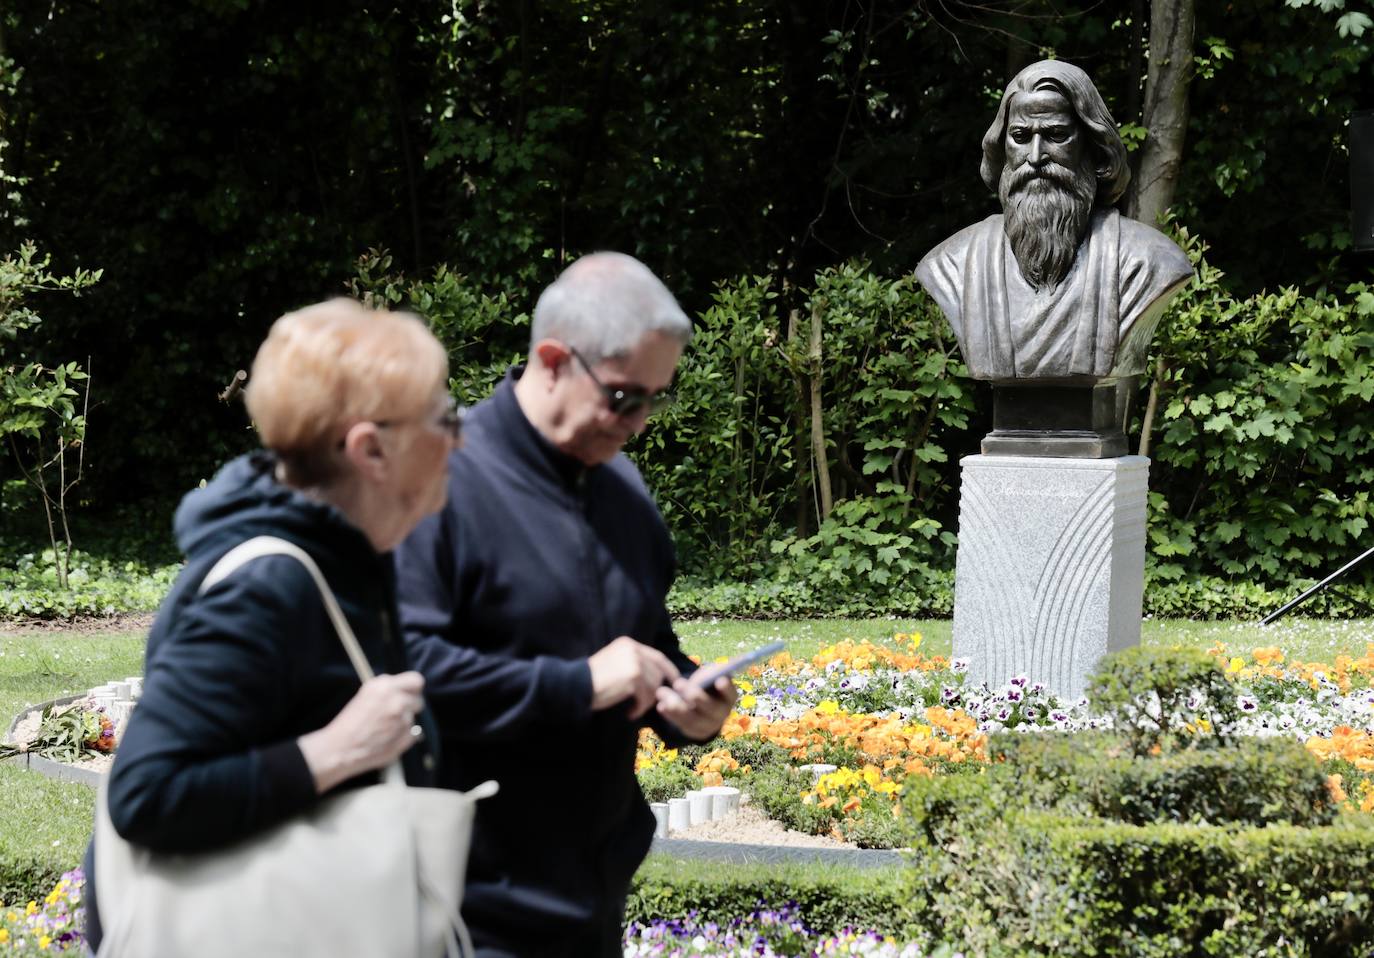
(244, 500)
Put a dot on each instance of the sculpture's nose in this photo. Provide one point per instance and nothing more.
(1036, 157)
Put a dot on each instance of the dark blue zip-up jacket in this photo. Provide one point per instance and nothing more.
(536, 563)
(233, 677)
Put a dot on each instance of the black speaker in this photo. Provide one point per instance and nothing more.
(1362, 178)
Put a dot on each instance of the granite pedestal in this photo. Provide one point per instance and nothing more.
(1051, 566)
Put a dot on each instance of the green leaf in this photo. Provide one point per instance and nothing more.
(1353, 24)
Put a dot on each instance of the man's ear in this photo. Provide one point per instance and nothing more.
(363, 449)
(553, 356)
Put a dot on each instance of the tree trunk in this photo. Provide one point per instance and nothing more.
(817, 427)
(1135, 63)
(1165, 116)
(800, 447)
(1147, 423)
(737, 493)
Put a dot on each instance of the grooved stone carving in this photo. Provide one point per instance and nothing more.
(1051, 564)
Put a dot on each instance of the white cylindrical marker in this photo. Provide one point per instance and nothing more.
(679, 814)
(700, 807)
(660, 810)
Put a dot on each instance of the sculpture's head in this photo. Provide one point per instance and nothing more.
(1052, 154)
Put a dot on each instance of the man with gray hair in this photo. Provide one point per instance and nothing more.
(534, 606)
(1058, 285)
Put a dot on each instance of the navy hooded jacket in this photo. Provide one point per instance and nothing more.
(235, 676)
(535, 563)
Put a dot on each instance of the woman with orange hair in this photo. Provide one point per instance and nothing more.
(251, 710)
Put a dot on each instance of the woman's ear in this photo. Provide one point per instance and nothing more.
(363, 449)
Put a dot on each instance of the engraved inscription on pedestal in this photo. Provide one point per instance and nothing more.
(1050, 569)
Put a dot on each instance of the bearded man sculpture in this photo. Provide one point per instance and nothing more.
(1056, 298)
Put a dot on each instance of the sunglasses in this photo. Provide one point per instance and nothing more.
(626, 401)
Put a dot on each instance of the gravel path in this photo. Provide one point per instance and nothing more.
(751, 827)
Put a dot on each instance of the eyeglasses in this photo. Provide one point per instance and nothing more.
(449, 421)
(626, 401)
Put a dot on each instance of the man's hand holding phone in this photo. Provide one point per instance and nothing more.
(700, 703)
(706, 676)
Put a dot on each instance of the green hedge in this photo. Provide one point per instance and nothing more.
(100, 586)
(829, 898)
(927, 596)
(931, 595)
(1251, 782)
(1037, 884)
(28, 878)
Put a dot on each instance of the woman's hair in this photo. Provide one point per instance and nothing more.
(327, 366)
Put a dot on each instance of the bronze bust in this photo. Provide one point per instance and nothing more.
(1057, 296)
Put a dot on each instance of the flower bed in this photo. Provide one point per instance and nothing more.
(767, 933)
(883, 714)
(52, 926)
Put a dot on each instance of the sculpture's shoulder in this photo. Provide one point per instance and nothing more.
(941, 271)
(1147, 252)
(954, 248)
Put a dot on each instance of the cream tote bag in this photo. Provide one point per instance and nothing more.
(375, 871)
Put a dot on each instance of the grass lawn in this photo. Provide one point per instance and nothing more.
(45, 824)
(1317, 640)
(38, 666)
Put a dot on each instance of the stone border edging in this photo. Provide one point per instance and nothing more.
(741, 854)
(58, 771)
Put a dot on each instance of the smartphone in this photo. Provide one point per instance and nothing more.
(706, 676)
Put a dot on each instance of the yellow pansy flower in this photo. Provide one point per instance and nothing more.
(4, 935)
(748, 701)
(44, 941)
(31, 908)
(1237, 663)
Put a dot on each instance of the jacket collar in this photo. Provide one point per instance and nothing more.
(528, 443)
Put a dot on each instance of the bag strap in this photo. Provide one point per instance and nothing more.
(260, 546)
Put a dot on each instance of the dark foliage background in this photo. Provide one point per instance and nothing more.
(225, 160)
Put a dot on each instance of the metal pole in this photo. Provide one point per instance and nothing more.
(1280, 613)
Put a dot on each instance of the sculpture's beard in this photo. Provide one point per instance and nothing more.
(1045, 214)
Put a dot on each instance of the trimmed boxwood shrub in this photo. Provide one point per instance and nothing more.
(25, 878)
(1031, 883)
(1153, 696)
(829, 898)
(1250, 781)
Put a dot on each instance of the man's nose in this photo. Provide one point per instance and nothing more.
(1037, 156)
